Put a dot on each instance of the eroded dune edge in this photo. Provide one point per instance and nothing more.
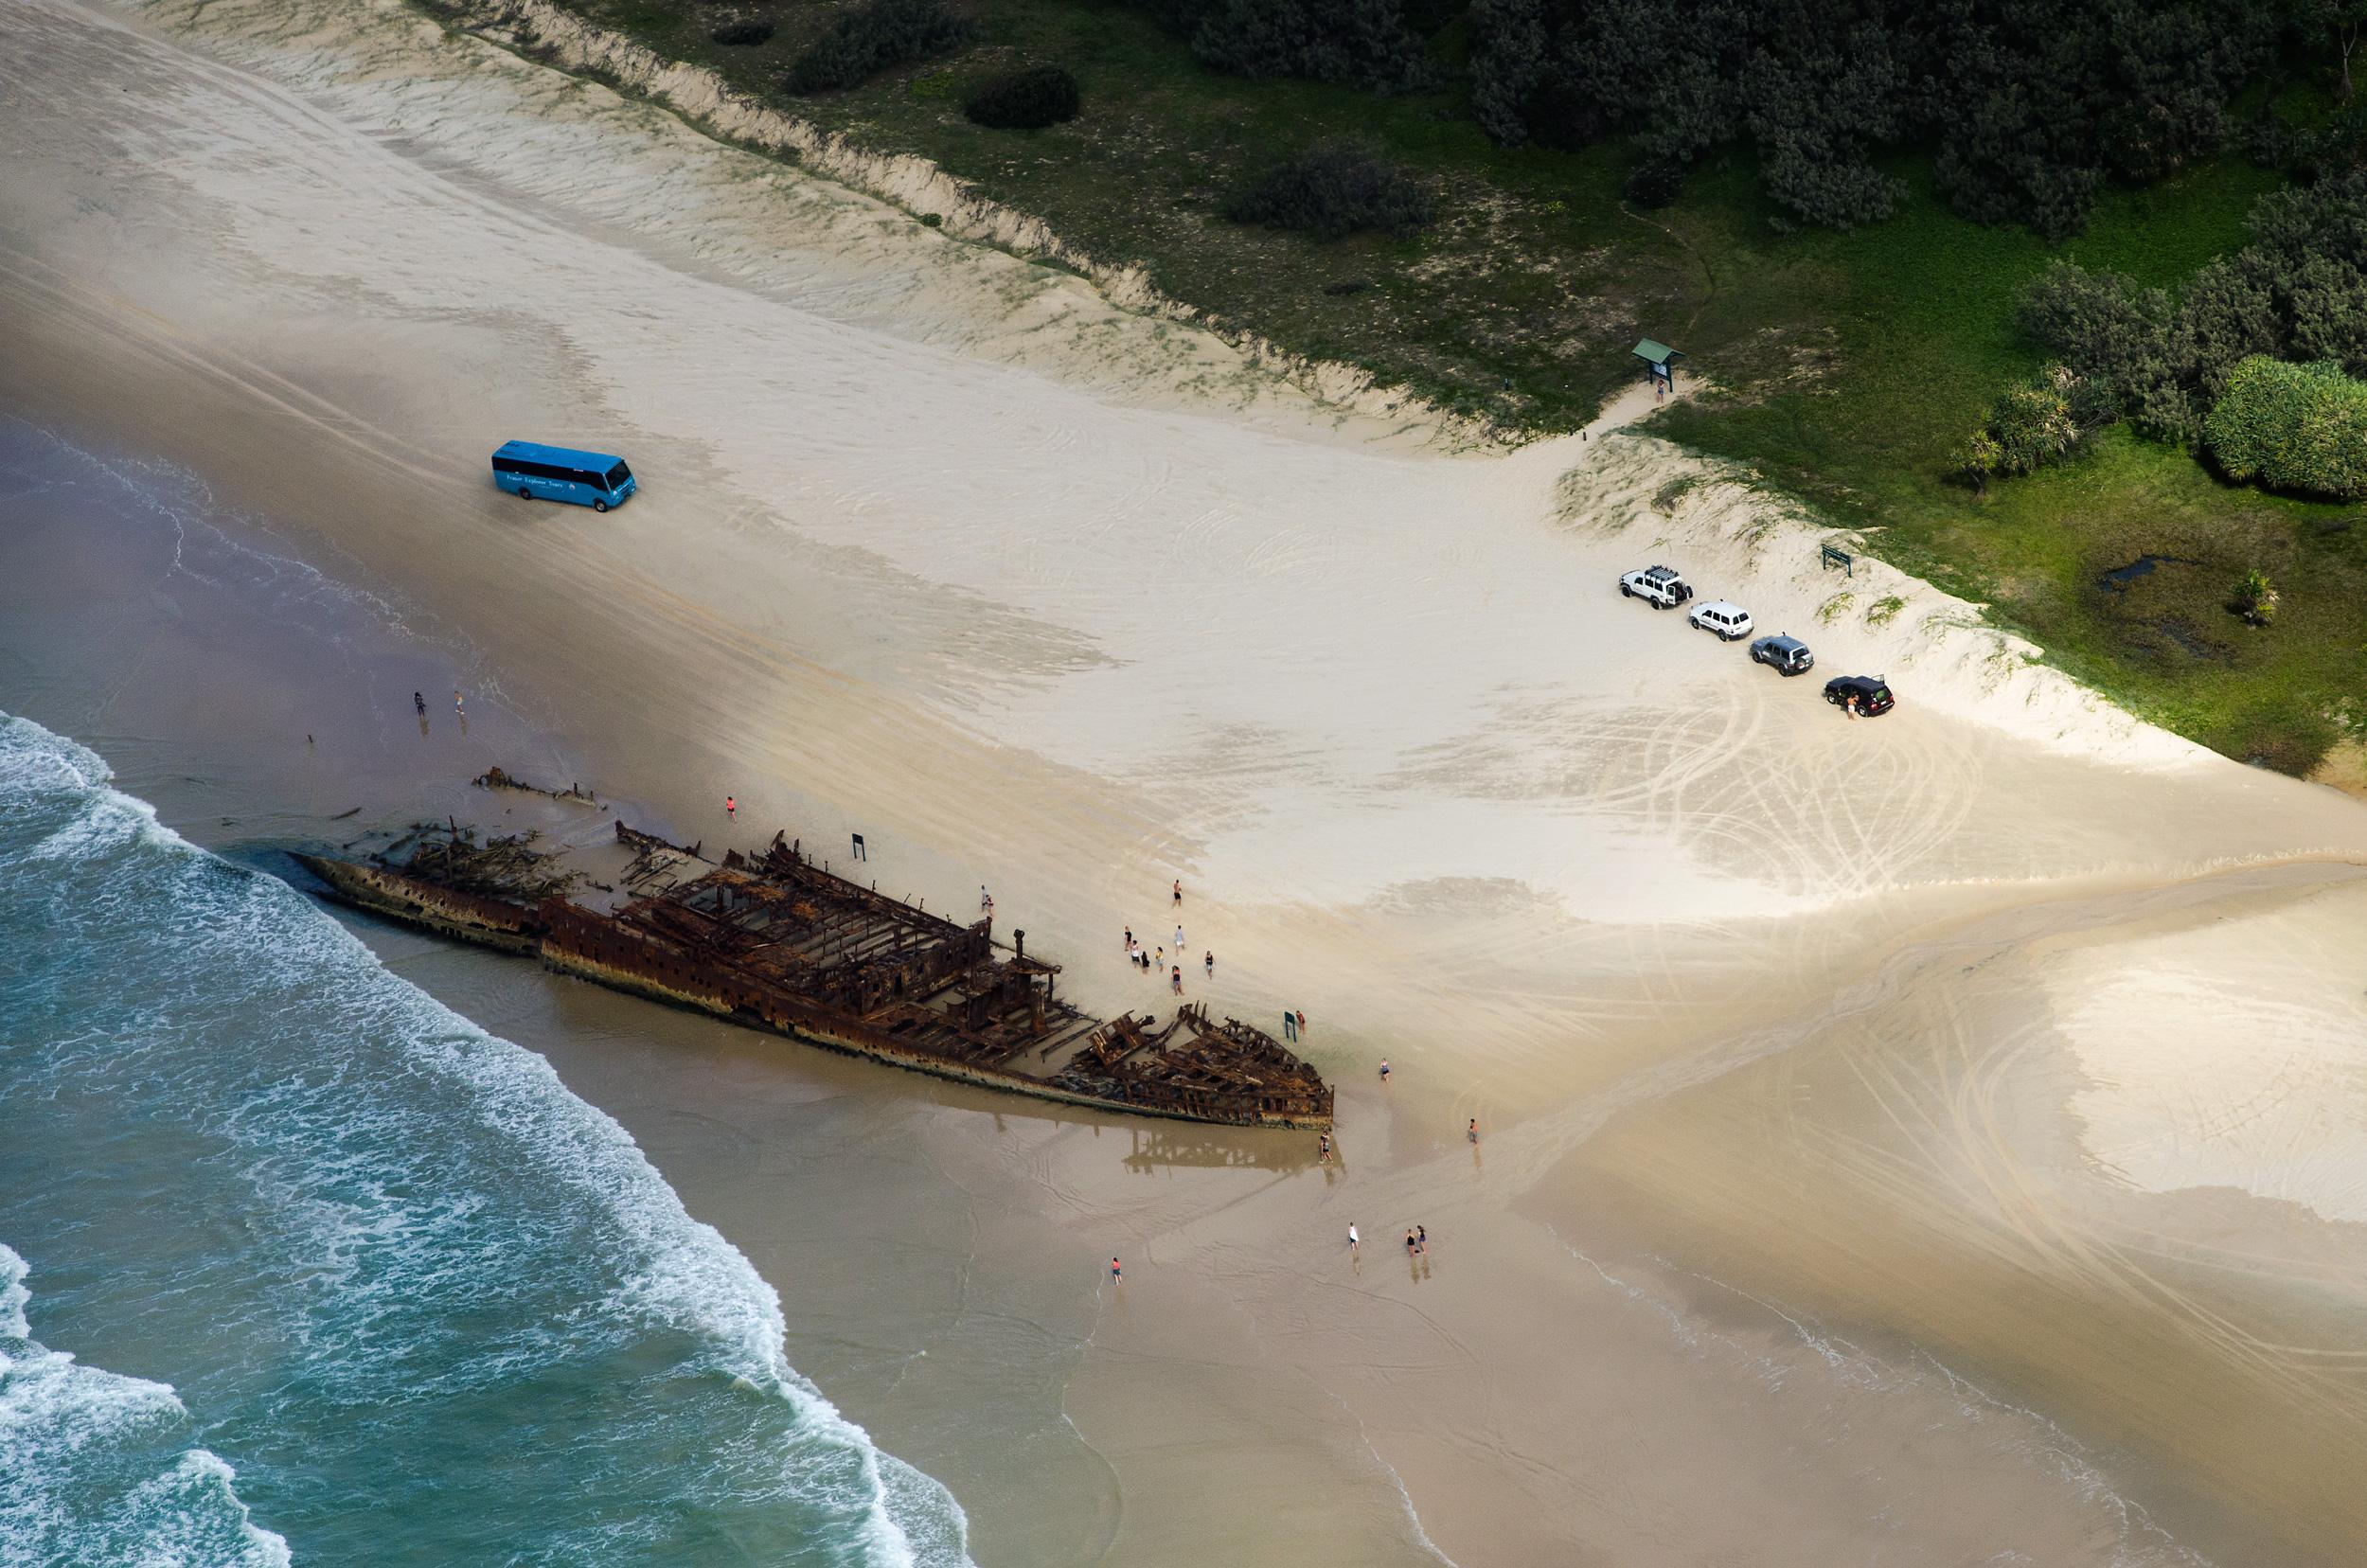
(921, 187)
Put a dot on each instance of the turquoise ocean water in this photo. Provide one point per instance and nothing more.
(298, 1265)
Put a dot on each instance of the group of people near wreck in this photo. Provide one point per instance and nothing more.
(1150, 960)
(1153, 960)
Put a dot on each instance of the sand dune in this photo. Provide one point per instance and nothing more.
(1775, 1023)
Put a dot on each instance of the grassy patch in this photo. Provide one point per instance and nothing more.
(1850, 365)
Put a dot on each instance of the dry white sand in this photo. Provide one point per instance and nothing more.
(943, 548)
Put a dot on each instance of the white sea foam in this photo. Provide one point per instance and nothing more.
(68, 1433)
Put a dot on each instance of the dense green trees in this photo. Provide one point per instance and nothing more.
(2029, 105)
(2253, 359)
(2297, 292)
(1374, 44)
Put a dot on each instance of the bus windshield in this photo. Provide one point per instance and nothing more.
(616, 476)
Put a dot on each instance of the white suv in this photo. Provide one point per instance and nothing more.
(1657, 586)
(1730, 621)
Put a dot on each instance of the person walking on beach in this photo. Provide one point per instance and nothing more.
(1208, 960)
(1290, 1029)
(1322, 1149)
(1421, 1238)
(1179, 892)
(1384, 1069)
(1850, 707)
(457, 706)
(1409, 1242)
(1116, 1275)
(1179, 979)
(419, 701)
(985, 900)
(1129, 941)
(1159, 956)
(1474, 1134)
(1302, 1023)
(731, 808)
(1178, 937)
(1352, 1249)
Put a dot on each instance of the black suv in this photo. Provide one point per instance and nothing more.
(1872, 691)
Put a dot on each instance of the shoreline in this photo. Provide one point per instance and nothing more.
(1557, 889)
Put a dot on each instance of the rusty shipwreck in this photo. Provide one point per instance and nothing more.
(775, 942)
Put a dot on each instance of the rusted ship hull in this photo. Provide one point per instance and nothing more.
(488, 922)
(740, 941)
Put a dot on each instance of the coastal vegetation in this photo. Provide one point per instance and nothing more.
(1333, 191)
(869, 38)
(2293, 427)
(1029, 99)
(1877, 232)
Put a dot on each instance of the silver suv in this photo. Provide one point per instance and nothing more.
(1657, 586)
(1785, 655)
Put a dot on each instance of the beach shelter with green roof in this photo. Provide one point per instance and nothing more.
(1659, 360)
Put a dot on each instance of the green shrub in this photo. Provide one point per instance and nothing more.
(871, 37)
(1026, 100)
(743, 33)
(2032, 426)
(2293, 427)
(1654, 183)
(2256, 598)
(1977, 459)
(1332, 191)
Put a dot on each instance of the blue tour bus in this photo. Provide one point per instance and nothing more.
(593, 479)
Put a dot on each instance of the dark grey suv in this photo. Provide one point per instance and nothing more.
(1785, 655)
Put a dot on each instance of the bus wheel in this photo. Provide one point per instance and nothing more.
(525, 494)
(600, 505)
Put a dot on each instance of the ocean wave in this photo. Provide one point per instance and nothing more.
(80, 1478)
(437, 1249)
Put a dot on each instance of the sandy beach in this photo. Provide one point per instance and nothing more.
(1928, 1140)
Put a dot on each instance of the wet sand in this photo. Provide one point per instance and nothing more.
(1828, 1207)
